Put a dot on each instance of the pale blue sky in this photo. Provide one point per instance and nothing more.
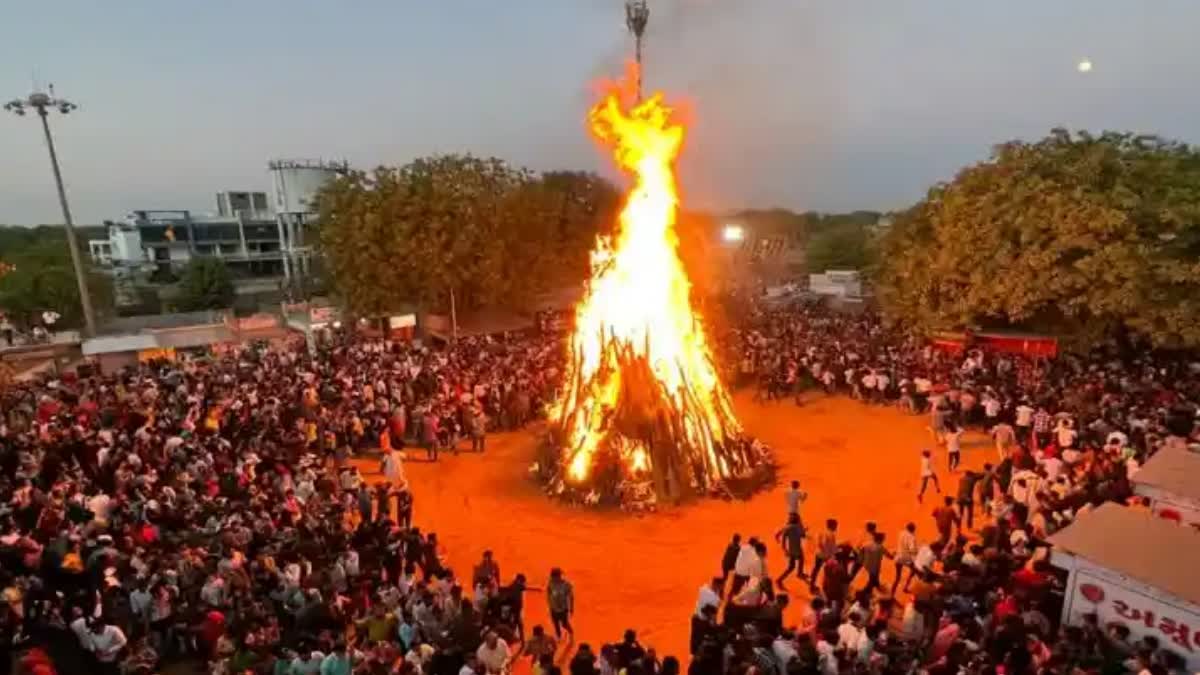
(826, 105)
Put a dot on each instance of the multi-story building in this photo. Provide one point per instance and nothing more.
(254, 235)
(249, 240)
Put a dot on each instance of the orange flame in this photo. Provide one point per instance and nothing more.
(637, 302)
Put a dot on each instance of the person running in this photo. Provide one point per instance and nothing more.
(560, 596)
(927, 474)
(791, 539)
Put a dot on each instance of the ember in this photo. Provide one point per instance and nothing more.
(643, 415)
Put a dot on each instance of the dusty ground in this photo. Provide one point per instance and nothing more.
(857, 463)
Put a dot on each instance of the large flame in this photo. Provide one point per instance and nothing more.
(636, 307)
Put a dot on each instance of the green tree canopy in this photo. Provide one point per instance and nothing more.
(1085, 236)
(492, 233)
(206, 283)
(39, 277)
(848, 246)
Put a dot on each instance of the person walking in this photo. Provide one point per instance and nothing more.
(906, 553)
(826, 550)
(795, 497)
(870, 558)
(560, 596)
(791, 539)
(954, 434)
(927, 474)
(392, 467)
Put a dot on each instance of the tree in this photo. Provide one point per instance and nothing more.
(488, 232)
(1088, 237)
(39, 277)
(206, 283)
(844, 247)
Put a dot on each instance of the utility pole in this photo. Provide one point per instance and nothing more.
(42, 104)
(637, 14)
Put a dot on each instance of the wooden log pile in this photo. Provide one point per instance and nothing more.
(689, 450)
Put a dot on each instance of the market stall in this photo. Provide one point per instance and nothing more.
(1171, 481)
(1131, 568)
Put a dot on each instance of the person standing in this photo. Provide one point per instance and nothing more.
(966, 497)
(947, 520)
(1024, 423)
(927, 474)
(429, 435)
(795, 497)
(791, 539)
(105, 641)
(560, 596)
(729, 557)
(478, 424)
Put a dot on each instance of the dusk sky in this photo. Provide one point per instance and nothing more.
(830, 105)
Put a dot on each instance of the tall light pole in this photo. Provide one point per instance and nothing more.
(637, 13)
(43, 104)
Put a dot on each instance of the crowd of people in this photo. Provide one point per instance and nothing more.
(978, 596)
(211, 511)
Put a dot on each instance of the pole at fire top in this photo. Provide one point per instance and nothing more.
(453, 318)
(637, 14)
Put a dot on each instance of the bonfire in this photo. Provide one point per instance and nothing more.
(643, 415)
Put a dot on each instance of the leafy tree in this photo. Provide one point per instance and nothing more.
(206, 283)
(491, 233)
(1086, 236)
(39, 276)
(844, 247)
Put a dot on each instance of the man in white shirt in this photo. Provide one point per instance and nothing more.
(1024, 422)
(795, 497)
(849, 632)
(926, 557)
(906, 553)
(470, 665)
(308, 665)
(493, 654)
(747, 566)
(105, 641)
(1066, 434)
(710, 596)
(784, 648)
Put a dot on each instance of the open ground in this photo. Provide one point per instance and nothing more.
(856, 462)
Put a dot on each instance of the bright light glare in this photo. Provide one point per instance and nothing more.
(1085, 66)
(733, 233)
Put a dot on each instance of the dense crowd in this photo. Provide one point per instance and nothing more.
(1069, 434)
(209, 511)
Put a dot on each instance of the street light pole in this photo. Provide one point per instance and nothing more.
(42, 103)
(637, 14)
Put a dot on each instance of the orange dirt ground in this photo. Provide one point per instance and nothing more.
(856, 462)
